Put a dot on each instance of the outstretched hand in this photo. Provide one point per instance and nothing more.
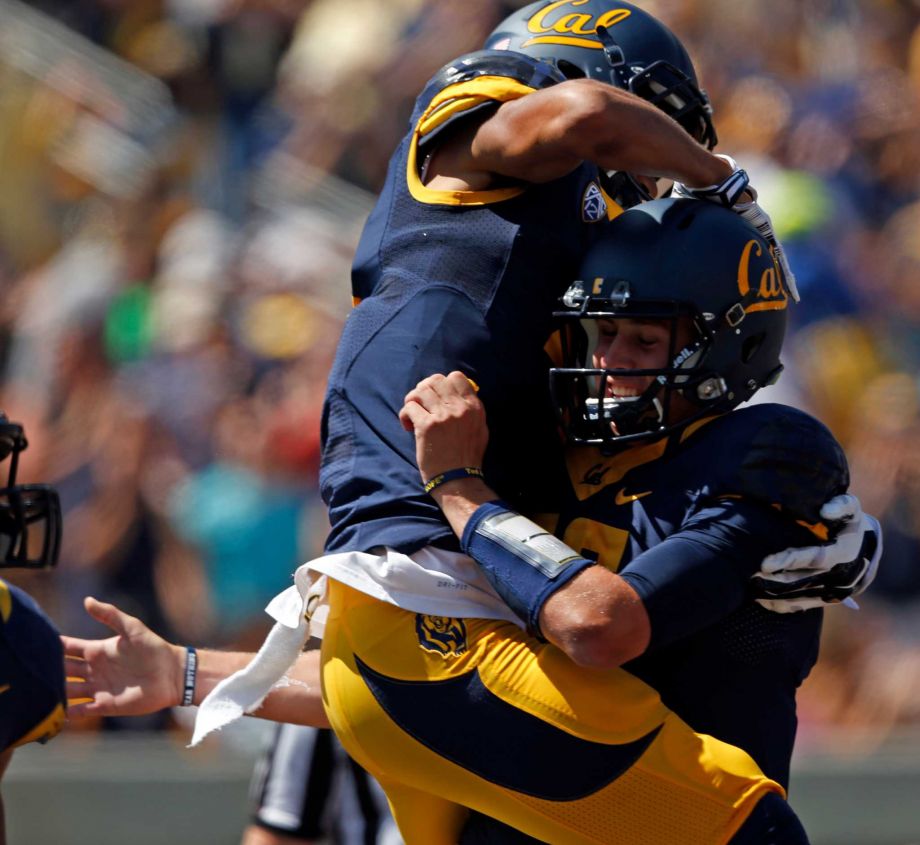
(131, 674)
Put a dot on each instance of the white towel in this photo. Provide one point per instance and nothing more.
(245, 690)
(433, 581)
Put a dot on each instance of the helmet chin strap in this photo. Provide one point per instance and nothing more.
(631, 417)
(613, 51)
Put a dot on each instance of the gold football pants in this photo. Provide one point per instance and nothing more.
(450, 714)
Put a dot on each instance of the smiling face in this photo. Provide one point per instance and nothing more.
(637, 344)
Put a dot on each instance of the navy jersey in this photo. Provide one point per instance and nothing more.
(687, 520)
(32, 693)
(450, 280)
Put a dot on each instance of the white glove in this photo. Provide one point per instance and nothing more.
(727, 194)
(816, 576)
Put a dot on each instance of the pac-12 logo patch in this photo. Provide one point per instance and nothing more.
(441, 634)
(593, 204)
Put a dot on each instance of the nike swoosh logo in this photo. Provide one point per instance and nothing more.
(463, 721)
(624, 498)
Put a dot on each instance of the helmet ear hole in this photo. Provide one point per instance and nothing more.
(750, 347)
(570, 70)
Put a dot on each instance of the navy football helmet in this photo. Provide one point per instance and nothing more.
(676, 260)
(614, 42)
(30, 514)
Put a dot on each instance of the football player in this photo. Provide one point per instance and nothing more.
(673, 495)
(489, 203)
(32, 694)
(481, 216)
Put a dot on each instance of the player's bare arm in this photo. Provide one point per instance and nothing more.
(547, 134)
(597, 618)
(137, 672)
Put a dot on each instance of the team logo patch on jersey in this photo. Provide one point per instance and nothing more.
(593, 204)
(441, 634)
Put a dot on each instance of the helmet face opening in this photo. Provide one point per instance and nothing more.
(672, 91)
(30, 526)
(592, 405)
(30, 514)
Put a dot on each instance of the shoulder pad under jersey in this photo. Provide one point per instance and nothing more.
(505, 64)
(780, 456)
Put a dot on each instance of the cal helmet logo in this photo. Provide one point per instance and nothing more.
(443, 635)
(562, 23)
(593, 204)
(769, 289)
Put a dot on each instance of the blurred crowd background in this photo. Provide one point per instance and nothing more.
(183, 183)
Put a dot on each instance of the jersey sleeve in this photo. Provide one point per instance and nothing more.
(475, 84)
(776, 467)
(33, 699)
(369, 479)
(436, 329)
(702, 573)
(470, 100)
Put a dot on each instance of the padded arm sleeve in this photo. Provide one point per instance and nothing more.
(524, 563)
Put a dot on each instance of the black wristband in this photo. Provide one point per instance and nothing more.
(191, 673)
(452, 475)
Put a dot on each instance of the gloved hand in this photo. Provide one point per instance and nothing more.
(815, 576)
(730, 194)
